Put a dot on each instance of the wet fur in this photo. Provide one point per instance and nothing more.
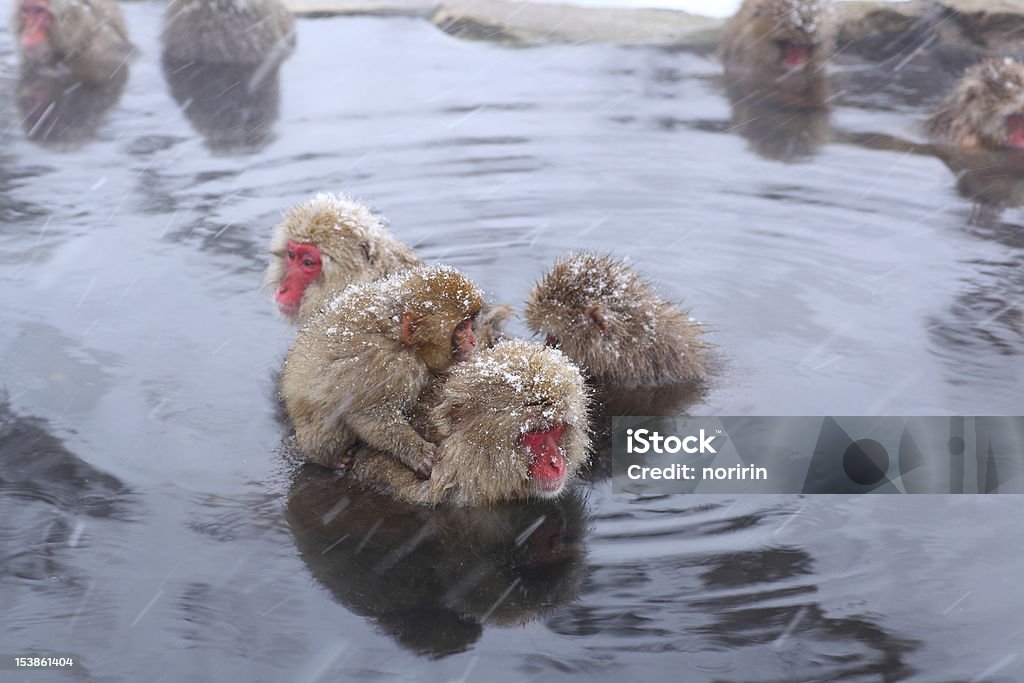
(480, 414)
(974, 113)
(356, 248)
(250, 32)
(749, 48)
(350, 379)
(647, 341)
(87, 37)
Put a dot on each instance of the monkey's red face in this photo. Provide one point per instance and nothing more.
(35, 20)
(1015, 130)
(303, 265)
(463, 341)
(547, 461)
(795, 55)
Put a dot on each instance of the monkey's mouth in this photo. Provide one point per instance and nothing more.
(1015, 130)
(795, 55)
(547, 469)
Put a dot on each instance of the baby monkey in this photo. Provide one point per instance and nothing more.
(607, 319)
(985, 109)
(357, 369)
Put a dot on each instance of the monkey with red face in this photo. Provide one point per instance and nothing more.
(985, 109)
(359, 366)
(777, 50)
(89, 38)
(326, 244)
(332, 241)
(511, 424)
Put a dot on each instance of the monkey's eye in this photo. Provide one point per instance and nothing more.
(308, 262)
(291, 255)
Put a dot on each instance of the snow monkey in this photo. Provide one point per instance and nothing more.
(606, 318)
(511, 424)
(782, 44)
(250, 32)
(331, 241)
(985, 109)
(87, 37)
(358, 367)
(325, 244)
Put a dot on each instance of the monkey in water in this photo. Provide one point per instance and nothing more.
(325, 244)
(780, 47)
(607, 319)
(358, 367)
(88, 38)
(221, 59)
(332, 241)
(985, 109)
(242, 32)
(511, 424)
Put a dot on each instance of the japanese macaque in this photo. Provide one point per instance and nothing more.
(985, 109)
(250, 32)
(357, 368)
(780, 44)
(511, 425)
(607, 319)
(434, 579)
(87, 38)
(325, 244)
(330, 242)
(222, 60)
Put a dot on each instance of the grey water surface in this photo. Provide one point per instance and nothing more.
(151, 523)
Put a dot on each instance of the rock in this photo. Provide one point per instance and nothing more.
(878, 30)
(328, 8)
(982, 27)
(529, 23)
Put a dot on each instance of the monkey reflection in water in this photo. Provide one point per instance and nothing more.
(775, 53)
(434, 578)
(73, 67)
(222, 61)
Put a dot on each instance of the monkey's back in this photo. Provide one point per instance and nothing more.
(228, 31)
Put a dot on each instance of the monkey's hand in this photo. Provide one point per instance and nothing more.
(426, 465)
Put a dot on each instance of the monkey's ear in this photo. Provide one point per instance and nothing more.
(409, 323)
(596, 316)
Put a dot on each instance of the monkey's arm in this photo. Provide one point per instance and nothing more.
(387, 429)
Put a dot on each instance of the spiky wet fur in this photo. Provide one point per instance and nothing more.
(88, 37)
(648, 341)
(480, 414)
(349, 377)
(974, 113)
(228, 31)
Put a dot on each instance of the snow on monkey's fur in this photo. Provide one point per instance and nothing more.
(480, 415)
